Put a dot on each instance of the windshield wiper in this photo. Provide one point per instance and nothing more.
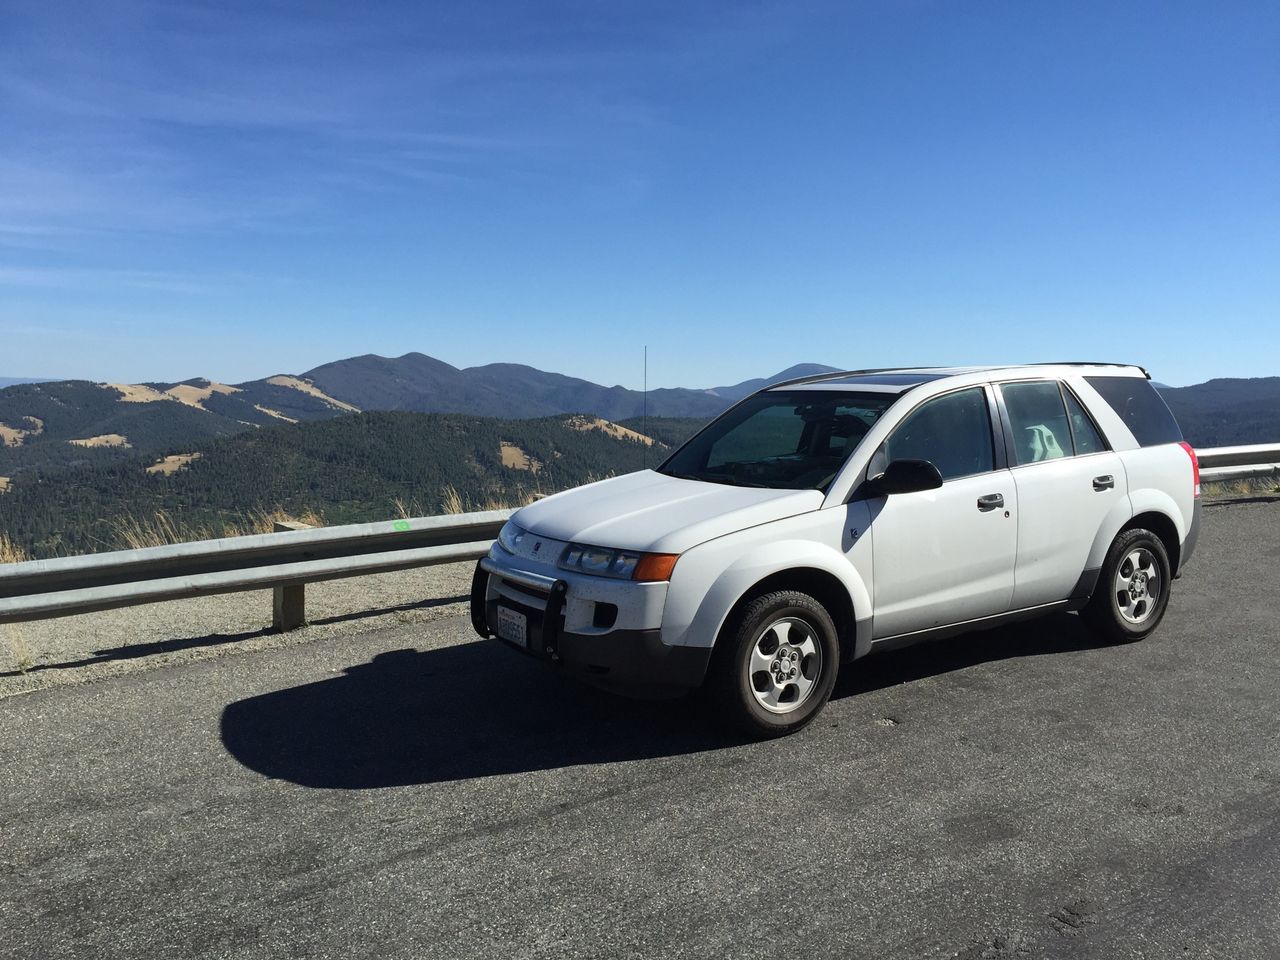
(724, 478)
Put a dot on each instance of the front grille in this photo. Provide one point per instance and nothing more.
(519, 591)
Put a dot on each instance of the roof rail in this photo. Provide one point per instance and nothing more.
(833, 375)
(1095, 363)
(841, 374)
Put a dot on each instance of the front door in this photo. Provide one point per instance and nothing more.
(945, 556)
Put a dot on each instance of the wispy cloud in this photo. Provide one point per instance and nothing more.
(133, 128)
(154, 114)
(86, 278)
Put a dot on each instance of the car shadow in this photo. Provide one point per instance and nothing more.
(1055, 634)
(478, 710)
(471, 710)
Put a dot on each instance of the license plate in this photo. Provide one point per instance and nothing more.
(513, 626)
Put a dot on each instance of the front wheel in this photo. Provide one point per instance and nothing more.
(775, 664)
(1133, 588)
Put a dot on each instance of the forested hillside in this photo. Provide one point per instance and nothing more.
(1228, 411)
(353, 468)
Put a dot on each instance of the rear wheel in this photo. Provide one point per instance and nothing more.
(1133, 588)
(775, 664)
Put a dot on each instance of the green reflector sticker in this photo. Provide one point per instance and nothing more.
(401, 525)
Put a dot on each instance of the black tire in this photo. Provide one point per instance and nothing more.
(1106, 610)
(733, 686)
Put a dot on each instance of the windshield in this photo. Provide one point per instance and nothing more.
(792, 440)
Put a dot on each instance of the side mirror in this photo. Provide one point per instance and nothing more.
(905, 476)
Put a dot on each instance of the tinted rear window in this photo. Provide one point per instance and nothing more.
(1140, 407)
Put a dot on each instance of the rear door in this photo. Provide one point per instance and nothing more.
(1068, 480)
(945, 556)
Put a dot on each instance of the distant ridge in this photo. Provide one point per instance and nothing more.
(422, 384)
(747, 387)
(50, 423)
(1227, 410)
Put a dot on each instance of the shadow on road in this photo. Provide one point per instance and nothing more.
(471, 710)
(136, 651)
(1059, 633)
(477, 710)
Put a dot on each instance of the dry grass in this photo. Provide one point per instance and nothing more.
(161, 529)
(273, 413)
(311, 390)
(11, 436)
(616, 430)
(19, 649)
(516, 459)
(312, 518)
(408, 509)
(194, 396)
(103, 440)
(10, 552)
(136, 393)
(1226, 489)
(451, 500)
(168, 466)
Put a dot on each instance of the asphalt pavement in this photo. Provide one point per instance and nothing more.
(413, 792)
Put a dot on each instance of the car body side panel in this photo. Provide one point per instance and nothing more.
(1160, 479)
(939, 558)
(1120, 513)
(1060, 514)
(710, 579)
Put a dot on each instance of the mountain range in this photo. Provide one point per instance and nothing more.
(76, 421)
(71, 422)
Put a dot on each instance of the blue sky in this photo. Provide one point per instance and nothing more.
(236, 190)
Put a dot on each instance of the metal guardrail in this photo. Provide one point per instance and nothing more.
(1239, 463)
(286, 562)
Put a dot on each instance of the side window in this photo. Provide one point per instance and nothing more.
(1143, 410)
(1088, 440)
(953, 432)
(1039, 421)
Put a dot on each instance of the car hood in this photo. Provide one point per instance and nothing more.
(649, 511)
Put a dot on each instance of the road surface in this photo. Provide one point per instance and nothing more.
(412, 792)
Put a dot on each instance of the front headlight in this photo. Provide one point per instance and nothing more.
(618, 564)
(509, 537)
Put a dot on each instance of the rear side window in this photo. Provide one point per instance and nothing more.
(1140, 407)
(1088, 440)
(1039, 421)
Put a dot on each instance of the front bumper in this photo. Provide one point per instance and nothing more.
(626, 660)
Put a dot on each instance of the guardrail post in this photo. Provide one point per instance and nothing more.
(288, 608)
(289, 604)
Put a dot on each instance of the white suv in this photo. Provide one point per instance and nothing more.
(824, 518)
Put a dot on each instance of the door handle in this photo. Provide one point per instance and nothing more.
(992, 501)
(1105, 482)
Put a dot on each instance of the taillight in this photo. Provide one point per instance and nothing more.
(1195, 465)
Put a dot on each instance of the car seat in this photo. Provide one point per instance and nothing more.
(1042, 444)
